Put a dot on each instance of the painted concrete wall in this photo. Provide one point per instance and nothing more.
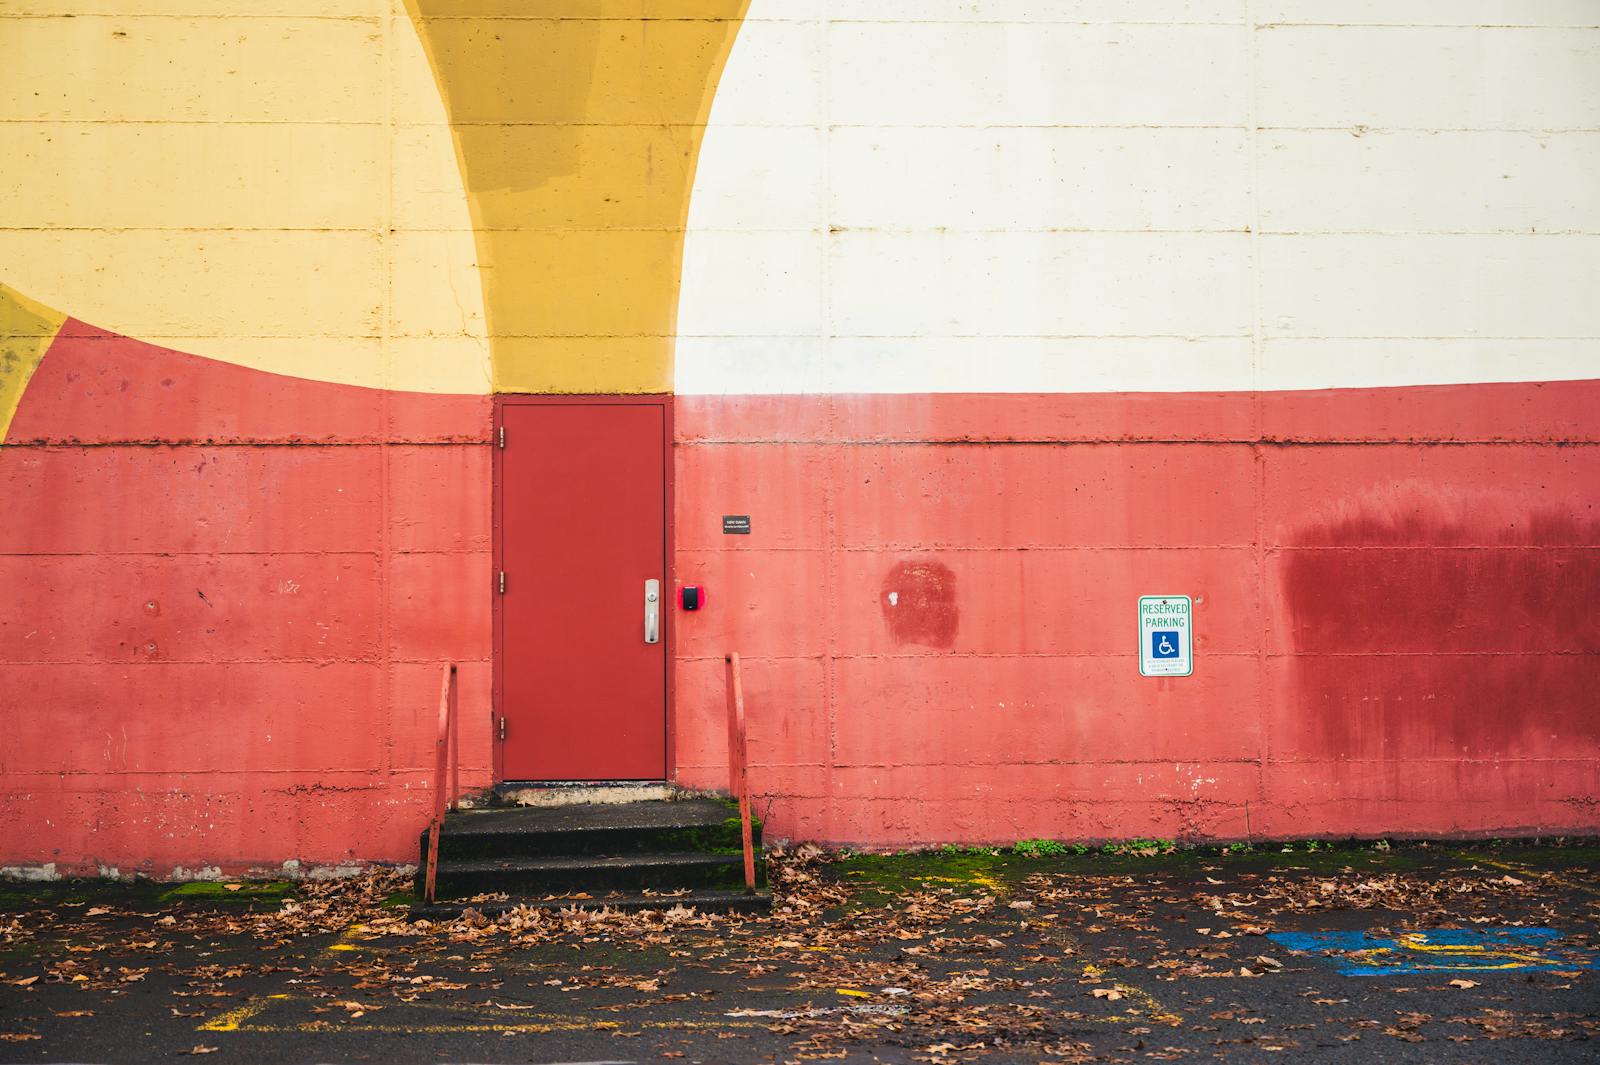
(993, 316)
(1000, 315)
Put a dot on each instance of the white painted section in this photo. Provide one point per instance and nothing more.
(1346, 363)
(1153, 11)
(1027, 283)
(1430, 12)
(1031, 178)
(1456, 182)
(1428, 77)
(1074, 195)
(945, 74)
(1376, 285)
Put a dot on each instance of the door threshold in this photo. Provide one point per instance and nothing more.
(575, 792)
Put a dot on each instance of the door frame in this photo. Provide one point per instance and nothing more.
(669, 621)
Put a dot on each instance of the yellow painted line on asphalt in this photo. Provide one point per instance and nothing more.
(1537, 874)
(1145, 1005)
(234, 1018)
(519, 1028)
(240, 1020)
(343, 942)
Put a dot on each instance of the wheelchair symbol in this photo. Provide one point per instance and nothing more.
(1163, 644)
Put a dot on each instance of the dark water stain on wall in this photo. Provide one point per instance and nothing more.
(1437, 627)
(918, 599)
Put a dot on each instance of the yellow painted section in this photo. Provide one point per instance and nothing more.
(577, 133)
(272, 185)
(430, 195)
(26, 331)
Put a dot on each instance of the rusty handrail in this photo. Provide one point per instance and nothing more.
(447, 753)
(738, 778)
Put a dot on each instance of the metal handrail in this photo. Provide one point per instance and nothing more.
(738, 782)
(447, 754)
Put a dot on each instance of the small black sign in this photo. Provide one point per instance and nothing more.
(736, 524)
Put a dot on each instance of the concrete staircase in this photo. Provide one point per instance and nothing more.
(646, 854)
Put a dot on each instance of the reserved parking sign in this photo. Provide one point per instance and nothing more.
(1166, 635)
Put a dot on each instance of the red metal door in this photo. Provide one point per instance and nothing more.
(581, 529)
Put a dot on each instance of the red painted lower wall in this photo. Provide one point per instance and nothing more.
(1391, 592)
(229, 593)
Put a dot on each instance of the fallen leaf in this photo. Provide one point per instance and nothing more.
(26, 981)
(19, 1037)
(853, 993)
(197, 1049)
(1463, 983)
(1110, 994)
(96, 911)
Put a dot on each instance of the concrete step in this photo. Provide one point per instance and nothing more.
(703, 901)
(590, 829)
(594, 874)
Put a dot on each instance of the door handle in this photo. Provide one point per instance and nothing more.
(652, 611)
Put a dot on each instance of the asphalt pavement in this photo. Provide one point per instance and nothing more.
(1410, 953)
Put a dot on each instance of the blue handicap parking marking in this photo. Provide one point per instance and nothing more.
(1440, 950)
(1164, 643)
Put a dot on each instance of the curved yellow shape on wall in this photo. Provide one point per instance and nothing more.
(277, 191)
(578, 131)
(26, 331)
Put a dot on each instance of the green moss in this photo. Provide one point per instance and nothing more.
(879, 879)
(241, 891)
(726, 838)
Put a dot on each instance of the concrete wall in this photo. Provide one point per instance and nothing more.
(993, 316)
(1001, 315)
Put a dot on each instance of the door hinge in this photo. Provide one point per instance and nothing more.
(502, 727)
(502, 436)
(502, 582)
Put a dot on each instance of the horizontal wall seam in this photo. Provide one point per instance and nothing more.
(839, 441)
(1261, 441)
(374, 659)
(909, 22)
(375, 444)
(564, 124)
(819, 229)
